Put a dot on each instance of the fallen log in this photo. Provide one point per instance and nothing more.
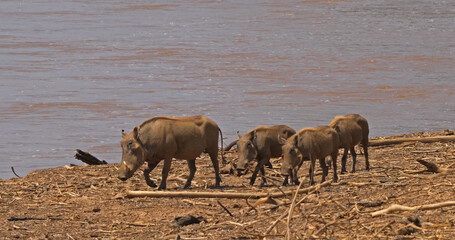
(383, 142)
(88, 158)
(157, 194)
(397, 207)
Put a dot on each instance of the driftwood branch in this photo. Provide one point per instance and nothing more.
(403, 140)
(157, 194)
(431, 167)
(14, 172)
(396, 208)
(88, 158)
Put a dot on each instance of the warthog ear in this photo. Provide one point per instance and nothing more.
(253, 136)
(123, 133)
(281, 140)
(238, 134)
(136, 133)
(296, 140)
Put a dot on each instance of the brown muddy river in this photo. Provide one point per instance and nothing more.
(74, 73)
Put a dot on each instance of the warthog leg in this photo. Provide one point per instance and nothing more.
(192, 167)
(292, 177)
(311, 170)
(286, 181)
(264, 180)
(334, 165)
(165, 173)
(365, 150)
(343, 160)
(258, 167)
(150, 167)
(354, 158)
(325, 169)
(214, 158)
(269, 164)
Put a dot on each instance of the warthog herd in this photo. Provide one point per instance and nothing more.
(166, 138)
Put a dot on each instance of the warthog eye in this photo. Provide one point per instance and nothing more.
(292, 150)
(130, 145)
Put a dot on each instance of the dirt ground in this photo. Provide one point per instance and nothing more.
(89, 202)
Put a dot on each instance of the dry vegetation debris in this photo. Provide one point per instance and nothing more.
(79, 202)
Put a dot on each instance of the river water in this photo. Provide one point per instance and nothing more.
(74, 73)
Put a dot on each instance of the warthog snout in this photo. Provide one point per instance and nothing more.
(242, 169)
(124, 175)
(286, 171)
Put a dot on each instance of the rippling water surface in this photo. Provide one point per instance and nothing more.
(74, 73)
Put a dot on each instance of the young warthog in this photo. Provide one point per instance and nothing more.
(352, 129)
(261, 144)
(166, 138)
(310, 144)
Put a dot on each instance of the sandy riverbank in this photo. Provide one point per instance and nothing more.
(84, 202)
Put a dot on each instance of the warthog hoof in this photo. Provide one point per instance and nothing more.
(285, 182)
(187, 185)
(151, 183)
(252, 181)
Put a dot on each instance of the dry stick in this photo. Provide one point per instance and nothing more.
(402, 140)
(225, 209)
(230, 195)
(278, 187)
(396, 208)
(12, 169)
(291, 210)
(67, 234)
(427, 151)
(251, 207)
(384, 227)
(276, 222)
(317, 187)
(315, 235)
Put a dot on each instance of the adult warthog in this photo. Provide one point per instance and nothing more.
(310, 144)
(261, 144)
(167, 138)
(352, 129)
